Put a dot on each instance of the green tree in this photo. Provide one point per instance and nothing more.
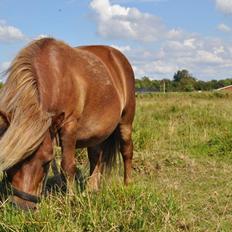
(184, 81)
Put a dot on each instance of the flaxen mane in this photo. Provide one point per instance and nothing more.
(19, 99)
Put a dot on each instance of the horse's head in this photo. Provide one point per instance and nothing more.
(28, 176)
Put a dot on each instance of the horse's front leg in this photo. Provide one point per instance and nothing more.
(68, 137)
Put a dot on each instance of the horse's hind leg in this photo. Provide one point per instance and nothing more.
(95, 155)
(126, 149)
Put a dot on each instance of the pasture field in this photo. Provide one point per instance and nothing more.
(182, 175)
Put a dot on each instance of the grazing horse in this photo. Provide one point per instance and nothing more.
(85, 95)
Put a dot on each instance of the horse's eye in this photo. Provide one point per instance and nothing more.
(2, 131)
(46, 165)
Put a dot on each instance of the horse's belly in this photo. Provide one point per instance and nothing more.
(89, 142)
(92, 134)
(100, 115)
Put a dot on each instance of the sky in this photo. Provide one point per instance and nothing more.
(159, 37)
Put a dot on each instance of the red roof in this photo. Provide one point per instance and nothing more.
(228, 87)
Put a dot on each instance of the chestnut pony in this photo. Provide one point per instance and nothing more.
(84, 95)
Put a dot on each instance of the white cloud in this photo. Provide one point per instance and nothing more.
(161, 67)
(223, 27)
(10, 33)
(190, 43)
(206, 58)
(118, 22)
(219, 49)
(225, 6)
(175, 33)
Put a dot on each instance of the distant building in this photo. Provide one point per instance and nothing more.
(227, 88)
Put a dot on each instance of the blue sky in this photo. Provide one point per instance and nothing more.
(158, 36)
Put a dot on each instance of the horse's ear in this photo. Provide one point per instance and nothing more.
(4, 117)
(57, 121)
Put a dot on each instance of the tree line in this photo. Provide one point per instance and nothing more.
(182, 81)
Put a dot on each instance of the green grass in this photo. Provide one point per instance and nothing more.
(182, 175)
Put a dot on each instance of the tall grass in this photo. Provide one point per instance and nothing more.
(182, 177)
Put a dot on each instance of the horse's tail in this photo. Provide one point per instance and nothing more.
(19, 99)
(111, 149)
